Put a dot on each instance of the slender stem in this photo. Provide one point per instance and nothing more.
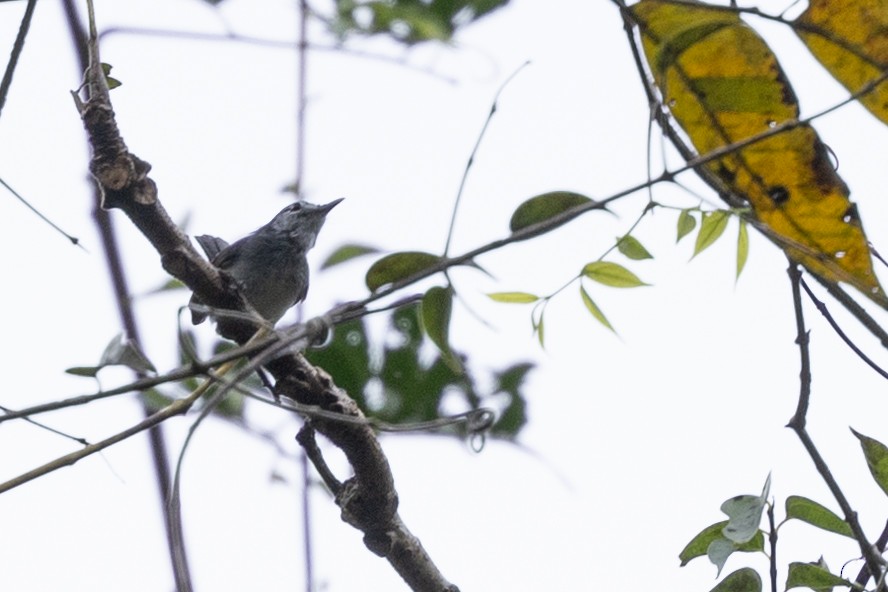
(301, 97)
(306, 439)
(802, 339)
(868, 322)
(52, 430)
(844, 337)
(797, 423)
(16, 52)
(471, 161)
(196, 368)
(306, 522)
(772, 539)
(176, 408)
(231, 37)
(881, 543)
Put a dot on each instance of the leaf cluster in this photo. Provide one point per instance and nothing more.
(742, 533)
(408, 21)
(399, 381)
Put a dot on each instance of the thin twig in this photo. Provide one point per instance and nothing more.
(273, 43)
(299, 183)
(175, 505)
(471, 161)
(864, 575)
(5, 84)
(772, 539)
(192, 370)
(306, 439)
(301, 97)
(73, 239)
(844, 337)
(43, 426)
(851, 305)
(176, 408)
(798, 422)
(17, 47)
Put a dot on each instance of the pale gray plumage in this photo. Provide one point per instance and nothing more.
(270, 265)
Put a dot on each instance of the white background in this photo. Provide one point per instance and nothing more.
(634, 440)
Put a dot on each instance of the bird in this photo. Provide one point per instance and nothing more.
(269, 265)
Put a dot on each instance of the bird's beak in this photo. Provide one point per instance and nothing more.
(326, 208)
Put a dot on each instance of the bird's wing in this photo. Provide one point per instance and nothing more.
(211, 245)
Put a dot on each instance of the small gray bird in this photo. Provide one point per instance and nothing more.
(269, 265)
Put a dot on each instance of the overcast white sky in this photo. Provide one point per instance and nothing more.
(634, 440)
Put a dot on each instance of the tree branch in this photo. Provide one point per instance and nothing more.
(797, 423)
(368, 500)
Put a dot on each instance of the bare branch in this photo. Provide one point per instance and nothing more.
(797, 423)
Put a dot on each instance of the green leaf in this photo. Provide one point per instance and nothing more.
(513, 297)
(155, 400)
(347, 357)
(629, 246)
(112, 82)
(742, 580)
(745, 514)
(806, 510)
(514, 415)
(398, 266)
(407, 21)
(742, 247)
(232, 406)
(87, 371)
(120, 351)
(611, 274)
(437, 305)
(394, 379)
(593, 309)
(539, 329)
(876, 458)
(545, 206)
(346, 253)
(718, 552)
(712, 226)
(698, 546)
(808, 575)
(686, 224)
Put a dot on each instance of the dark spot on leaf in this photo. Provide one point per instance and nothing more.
(825, 172)
(789, 97)
(778, 194)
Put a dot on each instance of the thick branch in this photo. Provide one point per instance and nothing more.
(368, 500)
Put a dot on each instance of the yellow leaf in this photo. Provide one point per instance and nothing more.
(723, 85)
(850, 39)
